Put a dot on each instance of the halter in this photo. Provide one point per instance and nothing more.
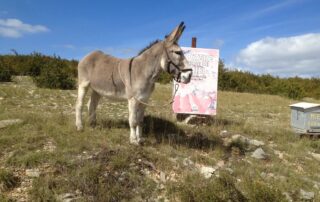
(169, 62)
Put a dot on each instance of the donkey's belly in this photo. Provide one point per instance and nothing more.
(108, 87)
(111, 95)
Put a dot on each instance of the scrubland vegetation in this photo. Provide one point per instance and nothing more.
(44, 158)
(57, 73)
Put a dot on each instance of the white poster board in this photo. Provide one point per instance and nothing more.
(200, 95)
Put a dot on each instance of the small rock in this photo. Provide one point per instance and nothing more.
(288, 197)
(251, 142)
(256, 143)
(228, 141)
(279, 153)
(162, 177)
(224, 134)
(220, 164)
(229, 170)
(9, 122)
(259, 154)
(67, 197)
(49, 147)
(33, 172)
(173, 160)
(263, 175)
(207, 171)
(187, 162)
(304, 195)
(315, 155)
(238, 137)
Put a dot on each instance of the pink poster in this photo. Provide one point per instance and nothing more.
(200, 95)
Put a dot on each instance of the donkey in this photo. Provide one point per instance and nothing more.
(132, 79)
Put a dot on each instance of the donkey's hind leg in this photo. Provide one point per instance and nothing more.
(92, 106)
(82, 89)
(133, 120)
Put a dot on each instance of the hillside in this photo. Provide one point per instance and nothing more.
(43, 157)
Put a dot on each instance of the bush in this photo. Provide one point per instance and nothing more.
(5, 74)
(56, 74)
(295, 91)
(47, 71)
(7, 180)
(260, 191)
(195, 188)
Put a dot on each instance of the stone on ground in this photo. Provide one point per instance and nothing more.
(259, 154)
(9, 122)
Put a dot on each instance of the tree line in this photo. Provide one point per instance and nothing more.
(294, 87)
(55, 72)
(46, 71)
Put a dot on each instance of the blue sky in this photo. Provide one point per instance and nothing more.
(280, 37)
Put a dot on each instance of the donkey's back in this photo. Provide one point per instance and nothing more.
(101, 73)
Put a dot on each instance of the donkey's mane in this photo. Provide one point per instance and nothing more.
(149, 46)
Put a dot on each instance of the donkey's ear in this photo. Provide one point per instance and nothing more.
(176, 33)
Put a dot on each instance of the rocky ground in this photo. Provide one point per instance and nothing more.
(42, 157)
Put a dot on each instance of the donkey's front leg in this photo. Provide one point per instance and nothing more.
(140, 116)
(135, 121)
(82, 89)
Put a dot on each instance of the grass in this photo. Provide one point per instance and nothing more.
(7, 180)
(99, 164)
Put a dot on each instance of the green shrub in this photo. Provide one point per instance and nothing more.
(47, 71)
(35, 63)
(295, 91)
(43, 189)
(260, 191)
(7, 180)
(56, 74)
(5, 73)
(195, 188)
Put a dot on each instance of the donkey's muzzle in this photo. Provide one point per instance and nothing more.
(185, 75)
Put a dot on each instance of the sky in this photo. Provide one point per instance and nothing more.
(278, 37)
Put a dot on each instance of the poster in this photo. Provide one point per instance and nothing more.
(200, 95)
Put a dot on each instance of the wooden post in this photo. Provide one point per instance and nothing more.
(194, 42)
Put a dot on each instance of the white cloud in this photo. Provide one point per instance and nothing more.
(290, 56)
(16, 28)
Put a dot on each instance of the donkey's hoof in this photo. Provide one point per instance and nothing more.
(135, 142)
(79, 128)
(92, 122)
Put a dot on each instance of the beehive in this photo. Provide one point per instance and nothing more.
(305, 117)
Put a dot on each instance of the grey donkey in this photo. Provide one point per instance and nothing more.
(132, 79)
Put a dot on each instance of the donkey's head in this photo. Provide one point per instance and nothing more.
(173, 60)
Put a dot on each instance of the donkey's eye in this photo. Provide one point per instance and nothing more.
(178, 52)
